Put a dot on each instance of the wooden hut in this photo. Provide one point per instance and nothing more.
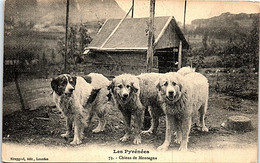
(122, 48)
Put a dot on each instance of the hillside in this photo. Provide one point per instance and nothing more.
(232, 38)
(226, 19)
(224, 26)
(49, 15)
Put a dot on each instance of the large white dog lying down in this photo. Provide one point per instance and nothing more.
(181, 95)
(79, 98)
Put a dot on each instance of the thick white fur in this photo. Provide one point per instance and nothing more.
(190, 95)
(76, 109)
(149, 90)
(98, 80)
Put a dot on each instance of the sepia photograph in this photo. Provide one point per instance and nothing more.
(130, 80)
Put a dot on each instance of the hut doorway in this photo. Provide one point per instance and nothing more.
(167, 60)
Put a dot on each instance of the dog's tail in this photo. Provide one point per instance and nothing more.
(186, 70)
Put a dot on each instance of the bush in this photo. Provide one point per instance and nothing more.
(78, 39)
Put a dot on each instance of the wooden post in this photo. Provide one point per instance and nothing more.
(185, 4)
(149, 56)
(18, 88)
(133, 4)
(150, 50)
(180, 55)
(66, 36)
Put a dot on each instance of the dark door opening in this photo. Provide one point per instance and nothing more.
(167, 61)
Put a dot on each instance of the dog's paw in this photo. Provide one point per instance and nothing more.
(76, 142)
(204, 129)
(162, 148)
(183, 149)
(65, 136)
(97, 130)
(124, 138)
(148, 132)
(178, 141)
(137, 141)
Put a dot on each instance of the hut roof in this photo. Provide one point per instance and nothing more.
(132, 34)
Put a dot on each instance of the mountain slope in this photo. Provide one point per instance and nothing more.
(80, 10)
(52, 12)
(227, 25)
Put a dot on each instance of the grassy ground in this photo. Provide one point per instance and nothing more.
(44, 124)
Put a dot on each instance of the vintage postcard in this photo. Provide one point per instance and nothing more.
(130, 81)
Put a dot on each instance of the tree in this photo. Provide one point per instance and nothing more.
(85, 38)
(253, 43)
(77, 41)
(204, 40)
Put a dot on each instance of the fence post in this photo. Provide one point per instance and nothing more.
(19, 89)
(180, 55)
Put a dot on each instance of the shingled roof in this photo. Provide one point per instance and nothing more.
(132, 35)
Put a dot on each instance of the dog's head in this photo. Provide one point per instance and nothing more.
(63, 84)
(123, 87)
(170, 87)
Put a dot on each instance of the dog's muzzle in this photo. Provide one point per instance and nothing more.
(124, 97)
(69, 93)
(170, 96)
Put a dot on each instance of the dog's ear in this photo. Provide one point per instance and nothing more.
(111, 86)
(110, 89)
(158, 85)
(179, 93)
(54, 84)
(179, 82)
(93, 95)
(134, 87)
(74, 80)
(109, 96)
(180, 87)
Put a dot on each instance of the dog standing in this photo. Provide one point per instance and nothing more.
(132, 94)
(149, 98)
(181, 96)
(79, 98)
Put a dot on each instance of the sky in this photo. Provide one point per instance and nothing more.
(196, 9)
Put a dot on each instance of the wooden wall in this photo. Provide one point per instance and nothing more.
(115, 63)
(169, 39)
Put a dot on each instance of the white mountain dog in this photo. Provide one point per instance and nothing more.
(79, 98)
(181, 97)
